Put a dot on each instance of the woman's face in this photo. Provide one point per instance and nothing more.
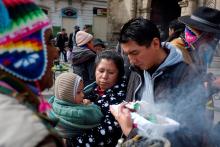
(79, 94)
(52, 54)
(106, 74)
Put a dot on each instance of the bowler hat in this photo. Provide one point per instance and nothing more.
(203, 18)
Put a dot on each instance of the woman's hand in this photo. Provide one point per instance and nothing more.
(123, 116)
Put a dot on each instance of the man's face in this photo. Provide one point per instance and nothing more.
(141, 56)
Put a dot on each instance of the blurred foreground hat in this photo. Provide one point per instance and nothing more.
(98, 42)
(82, 38)
(22, 43)
(66, 86)
(203, 18)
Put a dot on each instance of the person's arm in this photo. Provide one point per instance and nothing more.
(98, 135)
(123, 116)
(91, 115)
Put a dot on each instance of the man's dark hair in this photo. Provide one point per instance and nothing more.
(140, 30)
(115, 57)
(176, 25)
(178, 28)
(63, 29)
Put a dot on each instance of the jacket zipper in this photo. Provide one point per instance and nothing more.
(137, 87)
(153, 78)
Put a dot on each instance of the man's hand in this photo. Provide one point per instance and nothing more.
(123, 116)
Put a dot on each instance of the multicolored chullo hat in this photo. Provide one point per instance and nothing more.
(22, 45)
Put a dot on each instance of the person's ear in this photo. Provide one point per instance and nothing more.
(155, 43)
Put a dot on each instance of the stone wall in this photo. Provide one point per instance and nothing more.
(119, 11)
(83, 7)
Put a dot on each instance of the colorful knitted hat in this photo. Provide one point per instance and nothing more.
(22, 43)
(66, 86)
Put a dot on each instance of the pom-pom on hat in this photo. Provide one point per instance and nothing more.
(22, 44)
(82, 38)
(66, 86)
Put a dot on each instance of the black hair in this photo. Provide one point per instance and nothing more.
(140, 30)
(176, 25)
(63, 29)
(178, 28)
(115, 57)
(97, 42)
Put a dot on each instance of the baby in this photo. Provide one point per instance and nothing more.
(70, 112)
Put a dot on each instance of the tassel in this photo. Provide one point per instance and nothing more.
(44, 105)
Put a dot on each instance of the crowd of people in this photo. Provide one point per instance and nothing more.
(170, 78)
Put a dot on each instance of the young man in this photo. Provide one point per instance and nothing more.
(61, 39)
(159, 75)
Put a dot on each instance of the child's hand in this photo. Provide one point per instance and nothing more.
(86, 101)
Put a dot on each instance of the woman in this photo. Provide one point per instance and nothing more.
(108, 89)
(26, 59)
(83, 57)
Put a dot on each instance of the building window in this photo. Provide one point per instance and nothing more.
(69, 12)
(100, 11)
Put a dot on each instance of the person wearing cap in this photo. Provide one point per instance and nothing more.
(201, 35)
(201, 38)
(26, 59)
(98, 45)
(70, 112)
(83, 57)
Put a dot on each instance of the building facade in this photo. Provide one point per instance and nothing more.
(161, 12)
(68, 13)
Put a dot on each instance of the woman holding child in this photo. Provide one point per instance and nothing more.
(108, 89)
